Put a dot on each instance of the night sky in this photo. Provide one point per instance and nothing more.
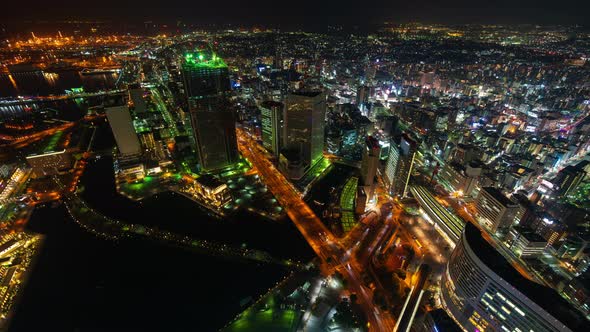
(304, 12)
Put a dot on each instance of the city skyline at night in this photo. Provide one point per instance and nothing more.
(286, 167)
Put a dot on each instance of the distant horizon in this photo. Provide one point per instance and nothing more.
(303, 13)
(116, 26)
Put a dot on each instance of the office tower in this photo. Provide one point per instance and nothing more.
(459, 178)
(573, 247)
(362, 98)
(568, 179)
(213, 124)
(271, 114)
(481, 291)
(304, 121)
(391, 166)
(136, 98)
(122, 126)
(495, 211)
(205, 74)
(400, 165)
(369, 165)
(206, 84)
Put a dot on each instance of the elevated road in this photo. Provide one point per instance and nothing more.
(410, 308)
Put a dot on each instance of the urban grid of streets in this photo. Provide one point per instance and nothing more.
(493, 113)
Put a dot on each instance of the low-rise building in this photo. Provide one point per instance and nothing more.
(495, 211)
(212, 191)
(525, 243)
(51, 163)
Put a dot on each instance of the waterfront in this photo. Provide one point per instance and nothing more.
(82, 283)
(45, 84)
(176, 213)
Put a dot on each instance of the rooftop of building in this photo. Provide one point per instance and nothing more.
(457, 166)
(271, 104)
(209, 181)
(306, 93)
(498, 195)
(529, 234)
(372, 142)
(545, 297)
(203, 59)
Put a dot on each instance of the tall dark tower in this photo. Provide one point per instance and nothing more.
(206, 82)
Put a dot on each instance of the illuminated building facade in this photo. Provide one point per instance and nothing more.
(212, 191)
(370, 164)
(460, 179)
(525, 243)
(400, 165)
(304, 121)
(481, 291)
(568, 179)
(391, 166)
(50, 163)
(271, 115)
(206, 83)
(495, 211)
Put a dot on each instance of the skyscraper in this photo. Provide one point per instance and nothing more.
(272, 118)
(206, 83)
(136, 98)
(400, 165)
(369, 165)
(391, 167)
(482, 291)
(122, 126)
(304, 122)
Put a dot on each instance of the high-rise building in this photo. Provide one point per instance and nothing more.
(271, 114)
(391, 166)
(205, 74)
(369, 165)
(362, 98)
(459, 178)
(304, 121)
(206, 83)
(481, 291)
(568, 179)
(213, 124)
(400, 165)
(123, 130)
(494, 210)
(136, 97)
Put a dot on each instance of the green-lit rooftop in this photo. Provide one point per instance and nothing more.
(204, 59)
